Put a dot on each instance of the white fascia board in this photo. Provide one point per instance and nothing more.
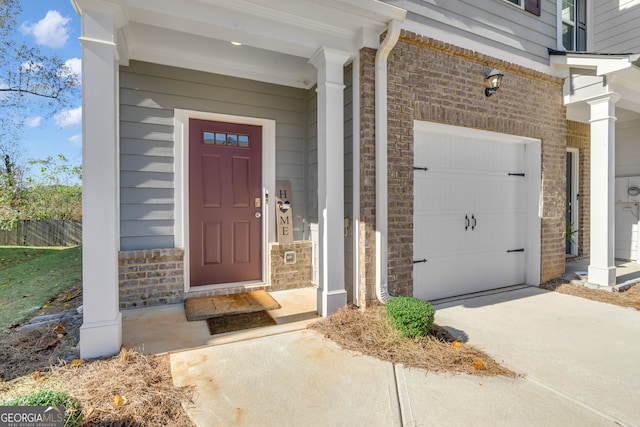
(114, 8)
(465, 43)
(284, 20)
(373, 9)
(603, 64)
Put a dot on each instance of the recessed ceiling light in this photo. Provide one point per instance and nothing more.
(236, 43)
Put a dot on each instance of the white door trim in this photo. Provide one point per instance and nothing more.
(181, 187)
(575, 201)
(533, 172)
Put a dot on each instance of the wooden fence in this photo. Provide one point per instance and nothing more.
(43, 233)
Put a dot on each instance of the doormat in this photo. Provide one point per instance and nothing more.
(203, 308)
(238, 322)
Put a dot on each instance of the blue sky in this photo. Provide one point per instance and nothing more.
(54, 27)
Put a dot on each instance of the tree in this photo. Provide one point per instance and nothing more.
(28, 79)
(27, 74)
(55, 194)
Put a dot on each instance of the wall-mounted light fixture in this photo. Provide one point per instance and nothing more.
(493, 80)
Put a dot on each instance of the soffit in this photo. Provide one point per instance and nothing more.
(618, 73)
(278, 36)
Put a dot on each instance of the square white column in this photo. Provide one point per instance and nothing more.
(602, 269)
(101, 331)
(330, 65)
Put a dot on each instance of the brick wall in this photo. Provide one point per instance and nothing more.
(156, 276)
(291, 276)
(434, 81)
(151, 277)
(367, 224)
(579, 136)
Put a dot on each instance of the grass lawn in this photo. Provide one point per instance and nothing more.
(30, 277)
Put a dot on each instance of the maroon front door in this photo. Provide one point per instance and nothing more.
(225, 198)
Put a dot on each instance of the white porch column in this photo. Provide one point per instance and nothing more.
(330, 65)
(602, 269)
(101, 331)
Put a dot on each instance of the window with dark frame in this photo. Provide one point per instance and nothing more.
(574, 25)
(532, 6)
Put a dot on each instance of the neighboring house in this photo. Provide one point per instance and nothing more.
(370, 118)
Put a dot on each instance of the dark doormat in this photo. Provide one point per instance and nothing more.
(238, 322)
(203, 308)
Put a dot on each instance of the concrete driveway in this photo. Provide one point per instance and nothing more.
(571, 348)
(580, 362)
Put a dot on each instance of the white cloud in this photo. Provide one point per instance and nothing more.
(69, 118)
(73, 67)
(31, 66)
(51, 31)
(76, 140)
(33, 122)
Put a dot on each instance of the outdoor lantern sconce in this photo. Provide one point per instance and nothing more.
(493, 80)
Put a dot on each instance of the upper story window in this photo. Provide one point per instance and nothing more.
(574, 25)
(532, 6)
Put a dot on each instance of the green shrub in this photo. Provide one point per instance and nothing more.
(72, 406)
(411, 316)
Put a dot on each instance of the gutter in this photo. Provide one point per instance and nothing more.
(393, 34)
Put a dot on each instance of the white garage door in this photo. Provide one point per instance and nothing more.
(469, 214)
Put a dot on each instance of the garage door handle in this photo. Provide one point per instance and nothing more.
(473, 227)
(418, 261)
(515, 250)
(466, 222)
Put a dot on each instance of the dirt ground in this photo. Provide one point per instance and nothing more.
(25, 351)
(627, 298)
(125, 390)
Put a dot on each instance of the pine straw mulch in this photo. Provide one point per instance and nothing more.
(626, 298)
(31, 350)
(130, 389)
(24, 351)
(369, 333)
(46, 358)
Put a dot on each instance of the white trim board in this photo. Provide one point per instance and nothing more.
(181, 187)
(533, 172)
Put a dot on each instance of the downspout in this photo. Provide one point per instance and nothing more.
(393, 33)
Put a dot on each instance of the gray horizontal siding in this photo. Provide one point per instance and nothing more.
(495, 23)
(149, 94)
(616, 26)
(627, 150)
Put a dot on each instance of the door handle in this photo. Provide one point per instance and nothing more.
(258, 214)
(466, 222)
(473, 227)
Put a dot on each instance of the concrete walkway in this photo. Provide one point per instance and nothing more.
(579, 359)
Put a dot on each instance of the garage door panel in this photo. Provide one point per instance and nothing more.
(437, 193)
(444, 236)
(499, 232)
(468, 177)
(493, 270)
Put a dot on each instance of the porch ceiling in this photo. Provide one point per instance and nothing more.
(278, 36)
(605, 73)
